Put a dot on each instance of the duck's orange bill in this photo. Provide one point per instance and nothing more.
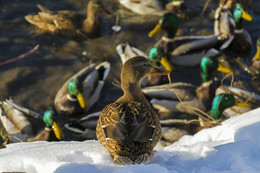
(57, 131)
(156, 29)
(257, 54)
(247, 16)
(223, 69)
(164, 61)
(81, 100)
(242, 104)
(157, 71)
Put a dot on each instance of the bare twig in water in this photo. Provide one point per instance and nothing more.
(205, 7)
(116, 25)
(20, 56)
(16, 138)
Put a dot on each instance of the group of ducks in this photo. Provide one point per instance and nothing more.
(133, 125)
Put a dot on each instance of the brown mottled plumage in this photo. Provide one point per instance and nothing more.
(129, 128)
(67, 22)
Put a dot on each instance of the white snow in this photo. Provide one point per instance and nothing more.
(233, 146)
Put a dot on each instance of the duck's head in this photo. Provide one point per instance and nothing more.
(169, 22)
(208, 66)
(74, 92)
(157, 56)
(136, 69)
(239, 13)
(50, 122)
(222, 102)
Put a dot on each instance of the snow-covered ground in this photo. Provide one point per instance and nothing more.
(233, 146)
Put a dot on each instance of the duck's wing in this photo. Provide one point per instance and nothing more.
(94, 82)
(126, 52)
(143, 7)
(52, 21)
(25, 120)
(63, 91)
(195, 45)
(25, 110)
(184, 91)
(121, 123)
(88, 122)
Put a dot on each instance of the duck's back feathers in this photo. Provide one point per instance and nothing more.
(128, 129)
(26, 121)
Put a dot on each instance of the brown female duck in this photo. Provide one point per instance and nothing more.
(66, 22)
(129, 128)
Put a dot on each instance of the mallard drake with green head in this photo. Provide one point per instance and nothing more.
(242, 42)
(80, 92)
(125, 51)
(130, 128)
(66, 22)
(32, 124)
(166, 97)
(182, 50)
(223, 101)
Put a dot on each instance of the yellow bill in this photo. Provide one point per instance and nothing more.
(242, 104)
(223, 69)
(155, 30)
(257, 55)
(247, 16)
(81, 100)
(164, 61)
(57, 130)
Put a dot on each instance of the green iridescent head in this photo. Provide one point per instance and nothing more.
(155, 55)
(238, 11)
(48, 117)
(50, 123)
(170, 24)
(207, 67)
(73, 88)
(238, 14)
(220, 103)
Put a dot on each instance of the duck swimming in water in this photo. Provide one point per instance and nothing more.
(182, 50)
(80, 92)
(67, 23)
(242, 42)
(30, 123)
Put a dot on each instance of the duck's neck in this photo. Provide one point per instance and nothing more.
(91, 23)
(133, 92)
(170, 34)
(238, 25)
(216, 114)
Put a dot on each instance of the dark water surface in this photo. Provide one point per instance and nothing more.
(34, 81)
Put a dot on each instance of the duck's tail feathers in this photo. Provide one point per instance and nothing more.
(124, 160)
